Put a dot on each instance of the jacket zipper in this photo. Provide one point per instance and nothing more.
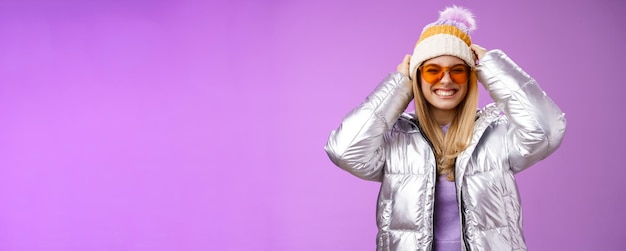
(432, 213)
(458, 202)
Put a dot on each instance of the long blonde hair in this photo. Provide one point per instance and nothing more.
(459, 134)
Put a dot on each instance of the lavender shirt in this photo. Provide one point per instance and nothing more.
(447, 219)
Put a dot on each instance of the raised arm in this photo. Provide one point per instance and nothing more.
(537, 124)
(357, 146)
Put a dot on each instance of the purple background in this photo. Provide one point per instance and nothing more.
(189, 125)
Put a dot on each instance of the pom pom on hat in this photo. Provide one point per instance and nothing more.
(449, 35)
(459, 15)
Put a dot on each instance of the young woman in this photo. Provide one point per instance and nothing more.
(447, 171)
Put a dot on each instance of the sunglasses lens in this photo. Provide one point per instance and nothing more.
(432, 73)
(459, 74)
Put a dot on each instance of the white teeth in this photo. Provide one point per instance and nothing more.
(444, 93)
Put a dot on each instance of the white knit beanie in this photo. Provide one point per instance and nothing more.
(449, 35)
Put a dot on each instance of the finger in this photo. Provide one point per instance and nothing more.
(407, 59)
(478, 51)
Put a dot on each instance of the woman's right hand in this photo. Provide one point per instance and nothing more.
(404, 66)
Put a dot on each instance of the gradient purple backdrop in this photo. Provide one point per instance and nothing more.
(200, 125)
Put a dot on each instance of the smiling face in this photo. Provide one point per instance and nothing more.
(445, 94)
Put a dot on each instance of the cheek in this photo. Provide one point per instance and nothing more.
(465, 87)
(464, 90)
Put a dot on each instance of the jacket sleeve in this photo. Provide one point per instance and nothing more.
(536, 124)
(357, 146)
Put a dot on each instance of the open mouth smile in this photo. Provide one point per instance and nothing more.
(445, 92)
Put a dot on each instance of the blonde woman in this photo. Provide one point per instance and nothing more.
(447, 171)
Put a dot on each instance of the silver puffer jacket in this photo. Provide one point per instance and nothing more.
(377, 141)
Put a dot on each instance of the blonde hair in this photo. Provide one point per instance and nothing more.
(461, 129)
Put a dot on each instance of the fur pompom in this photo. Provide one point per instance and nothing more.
(460, 15)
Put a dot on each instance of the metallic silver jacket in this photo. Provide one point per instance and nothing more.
(377, 141)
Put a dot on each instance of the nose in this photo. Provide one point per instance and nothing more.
(446, 79)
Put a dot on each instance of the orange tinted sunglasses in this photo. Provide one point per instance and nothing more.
(433, 73)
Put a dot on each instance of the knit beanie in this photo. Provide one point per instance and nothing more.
(449, 35)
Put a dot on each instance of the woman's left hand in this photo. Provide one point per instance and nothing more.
(478, 51)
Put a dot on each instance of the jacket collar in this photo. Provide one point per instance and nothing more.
(485, 117)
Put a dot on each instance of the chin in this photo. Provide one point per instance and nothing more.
(446, 106)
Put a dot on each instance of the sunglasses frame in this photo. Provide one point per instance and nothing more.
(443, 70)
